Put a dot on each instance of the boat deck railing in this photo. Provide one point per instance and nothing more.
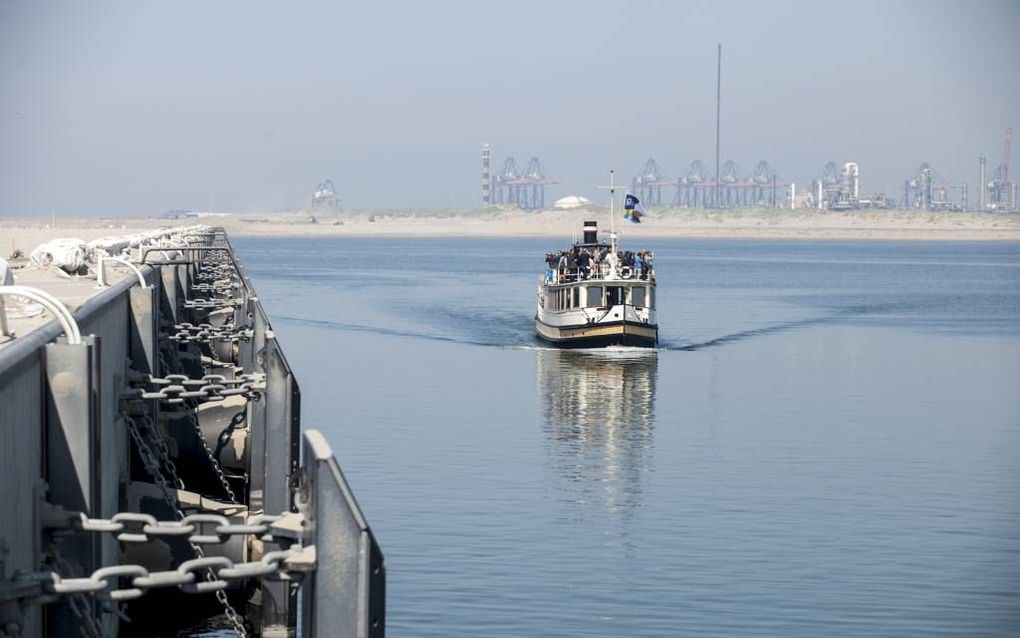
(600, 272)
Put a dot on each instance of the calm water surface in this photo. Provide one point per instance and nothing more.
(827, 442)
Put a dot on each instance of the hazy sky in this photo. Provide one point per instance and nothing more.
(140, 107)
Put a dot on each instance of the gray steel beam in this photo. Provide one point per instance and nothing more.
(279, 462)
(252, 359)
(73, 450)
(144, 330)
(170, 290)
(346, 595)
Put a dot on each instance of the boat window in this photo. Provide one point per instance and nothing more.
(614, 295)
(576, 297)
(594, 296)
(651, 297)
(637, 296)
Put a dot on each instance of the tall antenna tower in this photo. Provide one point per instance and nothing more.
(486, 178)
(718, 111)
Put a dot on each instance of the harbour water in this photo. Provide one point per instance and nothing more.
(827, 442)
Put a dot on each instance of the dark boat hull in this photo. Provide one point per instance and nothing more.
(616, 333)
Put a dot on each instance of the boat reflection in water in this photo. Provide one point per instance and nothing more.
(599, 409)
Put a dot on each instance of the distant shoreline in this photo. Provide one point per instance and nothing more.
(751, 224)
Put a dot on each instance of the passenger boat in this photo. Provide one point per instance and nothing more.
(593, 295)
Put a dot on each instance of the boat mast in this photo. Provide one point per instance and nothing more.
(612, 210)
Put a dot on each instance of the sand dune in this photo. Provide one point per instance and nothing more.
(512, 222)
(751, 223)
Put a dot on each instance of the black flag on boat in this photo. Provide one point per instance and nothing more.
(632, 209)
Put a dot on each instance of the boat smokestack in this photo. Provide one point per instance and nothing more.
(591, 232)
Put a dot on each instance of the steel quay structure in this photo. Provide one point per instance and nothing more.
(153, 472)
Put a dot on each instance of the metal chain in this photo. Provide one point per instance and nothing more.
(228, 610)
(211, 303)
(153, 466)
(216, 286)
(215, 273)
(210, 455)
(89, 626)
(173, 388)
(134, 527)
(212, 459)
(205, 332)
(216, 391)
(285, 564)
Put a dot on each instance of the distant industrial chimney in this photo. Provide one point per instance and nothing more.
(982, 183)
(486, 180)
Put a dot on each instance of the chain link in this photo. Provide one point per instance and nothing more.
(210, 455)
(216, 270)
(215, 273)
(153, 464)
(133, 527)
(218, 286)
(211, 303)
(235, 619)
(217, 467)
(205, 332)
(89, 625)
(220, 570)
(174, 388)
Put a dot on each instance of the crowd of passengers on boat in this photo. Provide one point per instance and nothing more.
(580, 263)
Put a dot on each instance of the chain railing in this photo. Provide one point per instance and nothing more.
(205, 333)
(104, 582)
(154, 464)
(221, 284)
(210, 455)
(135, 527)
(211, 304)
(175, 388)
(88, 625)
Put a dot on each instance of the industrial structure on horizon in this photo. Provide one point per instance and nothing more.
(835, 188)
(511, 185)
(999, 192)
(325, 196)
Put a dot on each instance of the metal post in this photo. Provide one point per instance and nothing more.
(256, 412)
(718, 113)
(486, 177)
(170, 290)
(73, 451)
(982, 184)
(350, 598)
(144, 330)
(279, 462)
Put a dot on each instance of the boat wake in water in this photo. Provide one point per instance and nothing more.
(503, 330)
(491, 331)
(839, 316)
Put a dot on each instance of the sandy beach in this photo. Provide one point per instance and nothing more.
(26, 233)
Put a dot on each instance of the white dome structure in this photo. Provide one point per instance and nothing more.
(571, 201)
